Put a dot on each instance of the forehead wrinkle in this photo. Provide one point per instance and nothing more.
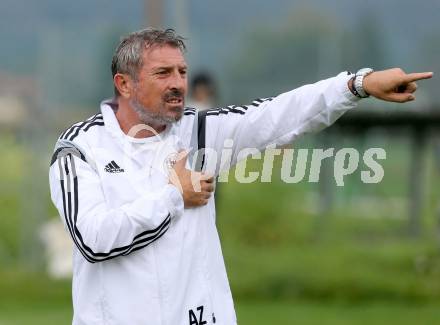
(169, 66)
(169, 62)
(155, 58)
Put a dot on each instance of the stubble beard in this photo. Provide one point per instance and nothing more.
(152, 119)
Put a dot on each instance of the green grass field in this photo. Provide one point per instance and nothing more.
(259, 313)
(30, 298)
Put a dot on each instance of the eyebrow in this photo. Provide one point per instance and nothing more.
(169, 67)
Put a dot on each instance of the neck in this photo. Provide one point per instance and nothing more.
(131, 124)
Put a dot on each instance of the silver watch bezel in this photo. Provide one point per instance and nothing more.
(359, 81)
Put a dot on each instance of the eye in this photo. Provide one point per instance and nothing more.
(183, 72)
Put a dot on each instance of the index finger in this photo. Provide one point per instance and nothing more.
(207, 178)
(410, 77)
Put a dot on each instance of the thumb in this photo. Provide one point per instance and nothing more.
(401, 97)
(180, 159)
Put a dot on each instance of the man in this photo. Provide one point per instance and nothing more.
(146, 246)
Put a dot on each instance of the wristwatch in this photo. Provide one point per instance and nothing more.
(359, 80)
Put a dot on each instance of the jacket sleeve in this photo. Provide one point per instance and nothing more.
(274, 121)
(99, 232)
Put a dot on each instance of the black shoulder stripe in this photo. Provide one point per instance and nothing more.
(97, 120)
(89, 126)
(238, 109)
(262, 100)
(74, 129)
(226, 110)
(74, 126)
(77, 124)
(189, 111)
(68, 129)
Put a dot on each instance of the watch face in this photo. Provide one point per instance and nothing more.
(364, 71)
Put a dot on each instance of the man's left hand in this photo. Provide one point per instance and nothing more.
(393, 85)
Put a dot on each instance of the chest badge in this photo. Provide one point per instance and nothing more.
(112, 167)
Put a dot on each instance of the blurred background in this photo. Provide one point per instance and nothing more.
(306, 253)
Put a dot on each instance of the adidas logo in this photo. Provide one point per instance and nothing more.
(113, 167)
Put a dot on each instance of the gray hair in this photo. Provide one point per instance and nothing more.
(127, 58)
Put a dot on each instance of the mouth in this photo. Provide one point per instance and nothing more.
(175, 101)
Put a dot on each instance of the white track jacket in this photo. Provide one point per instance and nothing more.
(140, 258)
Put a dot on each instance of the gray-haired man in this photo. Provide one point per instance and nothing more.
(146, 245)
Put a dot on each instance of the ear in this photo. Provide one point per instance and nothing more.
(124, 84)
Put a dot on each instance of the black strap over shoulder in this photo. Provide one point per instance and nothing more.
(201, 129)
(201, 136)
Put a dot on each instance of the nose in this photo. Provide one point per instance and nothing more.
(178, 81)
